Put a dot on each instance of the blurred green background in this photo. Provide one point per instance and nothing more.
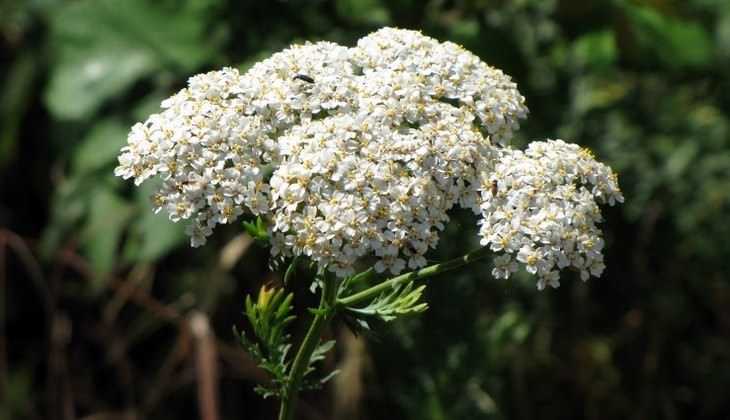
(96, 291)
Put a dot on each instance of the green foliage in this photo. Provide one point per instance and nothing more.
(391, 304)
(102, 47)
(368, 12)
(352, 283)
(269, 317)
(312, 383)
(642, 83)
(674, 42)
(257, 230)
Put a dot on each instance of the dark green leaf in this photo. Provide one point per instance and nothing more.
(101, 146)
(677, 42)
(103, 231)
(103, 46)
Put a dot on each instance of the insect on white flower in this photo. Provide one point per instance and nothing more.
(304, 77)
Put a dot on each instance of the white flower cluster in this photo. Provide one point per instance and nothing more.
(541, 205)
(354, 152)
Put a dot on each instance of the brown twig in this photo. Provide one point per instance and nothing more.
(9, 239)
(207, 347)
(348, 386)
(206, 371)
(61, 397)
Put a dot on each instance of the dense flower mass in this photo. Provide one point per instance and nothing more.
(541, 205)
(354, 152)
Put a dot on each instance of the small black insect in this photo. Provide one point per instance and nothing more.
(411, 248)
(495, 187)
(304, 77)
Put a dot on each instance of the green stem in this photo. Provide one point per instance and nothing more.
(311, 340)
(328, 302)
(374, 291)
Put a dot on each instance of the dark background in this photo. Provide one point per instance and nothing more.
(96, 291)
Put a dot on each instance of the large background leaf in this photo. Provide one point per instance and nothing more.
(102, 47)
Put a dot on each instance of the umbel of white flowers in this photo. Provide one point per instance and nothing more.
(370, 147)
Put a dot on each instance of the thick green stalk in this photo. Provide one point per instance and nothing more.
(311, 340)
(328, 303)
(376, 290)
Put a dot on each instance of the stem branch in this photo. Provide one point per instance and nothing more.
(309, 344)
(329, 303)
(374, 291)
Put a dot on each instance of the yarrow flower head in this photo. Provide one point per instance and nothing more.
(542, 210)
(360, 152)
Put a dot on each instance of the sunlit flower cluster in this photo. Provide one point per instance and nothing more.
(360, 152)
(539, 208)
